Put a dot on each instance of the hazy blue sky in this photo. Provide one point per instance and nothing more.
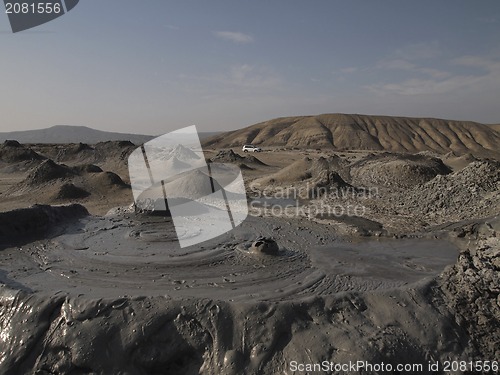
(152, 66)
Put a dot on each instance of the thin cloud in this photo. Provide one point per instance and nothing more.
(241, 79)
(349, 70)
(478, 62)
(417, 86)
(400, 64)
(443, 84)
(235, 37)
(419, 51)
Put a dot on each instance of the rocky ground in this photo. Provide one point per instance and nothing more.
(471, 287)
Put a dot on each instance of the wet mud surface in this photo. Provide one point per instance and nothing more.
(129, 255)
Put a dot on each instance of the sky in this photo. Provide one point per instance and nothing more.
(154, 66)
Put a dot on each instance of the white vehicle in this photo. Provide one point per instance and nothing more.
(251, 148)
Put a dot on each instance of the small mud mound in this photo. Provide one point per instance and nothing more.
(114, 145)
(107, 180)
(25, 225)
(77, 151)
(14, 152)
(11, 143)
(48, 171)
(229, 156)
(87, 168)
(80, 147)
(52, 182)
(70, 191)
(112, 150)
(252, 159)
(472, 191)
(302, 170)
(325, 182)
(298, 171)
(400, 171)
(112, 153)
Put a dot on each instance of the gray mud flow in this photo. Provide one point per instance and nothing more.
(128, 255)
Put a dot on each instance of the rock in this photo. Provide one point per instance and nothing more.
(471, 290)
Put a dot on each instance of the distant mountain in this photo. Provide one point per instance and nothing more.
(363, 132)
(71, 134)
(76, 134)
(496, 127)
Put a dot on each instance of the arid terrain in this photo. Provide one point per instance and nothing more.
(369, 238)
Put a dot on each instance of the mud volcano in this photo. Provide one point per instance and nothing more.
(117, 294)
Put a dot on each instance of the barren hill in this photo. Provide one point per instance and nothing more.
(363, 132)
